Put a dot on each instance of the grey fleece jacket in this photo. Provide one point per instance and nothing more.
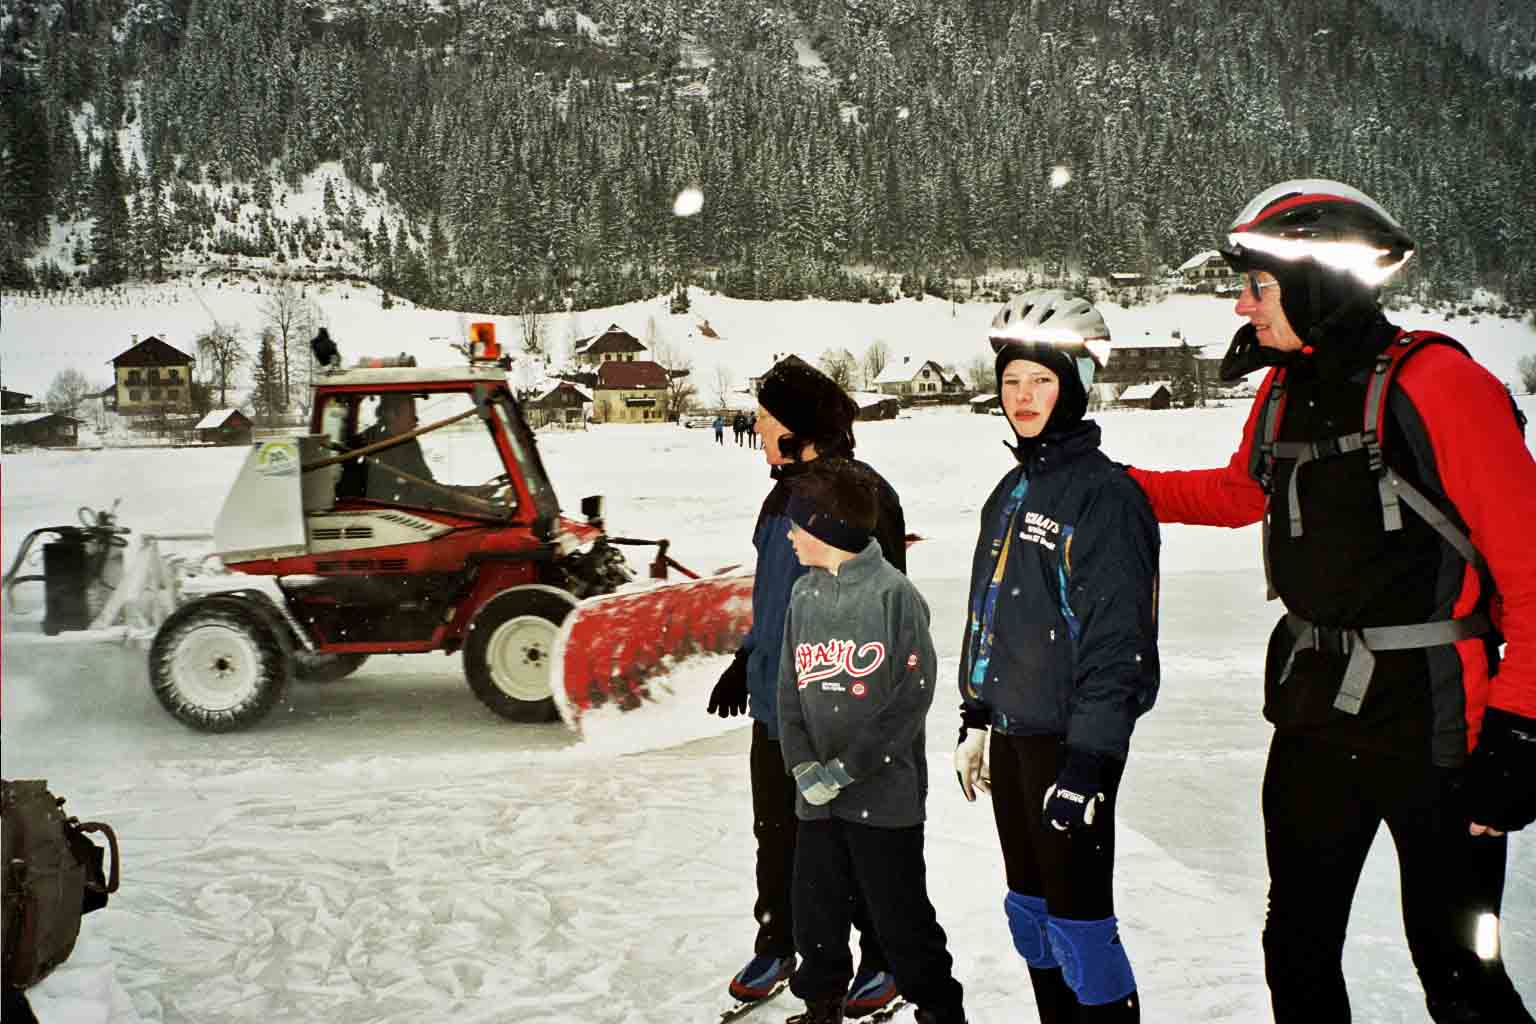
(856, 678)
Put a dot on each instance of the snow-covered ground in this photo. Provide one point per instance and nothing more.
(385, 849)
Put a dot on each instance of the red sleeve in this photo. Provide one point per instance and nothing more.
(1211, 497)
(1490, 477)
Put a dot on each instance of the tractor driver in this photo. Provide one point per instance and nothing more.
(391, 474)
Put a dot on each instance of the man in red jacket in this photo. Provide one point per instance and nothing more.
(1395, 488)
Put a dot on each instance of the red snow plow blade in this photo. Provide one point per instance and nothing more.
(620, 649)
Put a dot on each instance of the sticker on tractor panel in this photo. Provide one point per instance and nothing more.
(277, 458)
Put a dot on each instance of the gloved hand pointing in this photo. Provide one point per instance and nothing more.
(729, 697)
(969, 766)
(1079, 790)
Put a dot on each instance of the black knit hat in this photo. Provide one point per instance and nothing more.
(835, 500)
(811, 406)
(1072, 401)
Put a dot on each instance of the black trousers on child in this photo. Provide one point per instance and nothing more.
(836, 860)
(776, 827)
(1323, 805)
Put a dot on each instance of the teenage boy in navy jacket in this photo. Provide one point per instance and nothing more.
(1059, 658)
(856, 677)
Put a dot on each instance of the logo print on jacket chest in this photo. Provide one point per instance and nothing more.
(816, 662)
(1041, 529)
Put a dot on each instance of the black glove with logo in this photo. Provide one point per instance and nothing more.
(729, 697)
(1501, 773)
(1078, 792)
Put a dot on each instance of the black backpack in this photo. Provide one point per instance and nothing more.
(50, 874)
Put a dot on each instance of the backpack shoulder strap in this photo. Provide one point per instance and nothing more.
(1393, 489)
(1261, 459)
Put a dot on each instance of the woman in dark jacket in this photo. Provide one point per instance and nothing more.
(1059, 658)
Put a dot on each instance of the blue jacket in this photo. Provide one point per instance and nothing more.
(777, 571)
(1072, 645)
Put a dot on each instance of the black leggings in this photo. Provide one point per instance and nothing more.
(1073, 871)
(1323, 806)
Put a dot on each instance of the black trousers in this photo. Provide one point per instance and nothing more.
(1072, 871)
(1323, 806)
(835, 863)
(776, 827)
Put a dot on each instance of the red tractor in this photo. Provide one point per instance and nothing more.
(415, 516)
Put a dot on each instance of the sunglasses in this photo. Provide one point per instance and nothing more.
(1256, 287)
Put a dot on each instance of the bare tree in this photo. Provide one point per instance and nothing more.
(723, 385)
(980, 372)
(679, 367)
(875, 359)
(839, 364)
(221, 354)
(533, 325)
(1527, 367)
(68, 390)
(290, 317)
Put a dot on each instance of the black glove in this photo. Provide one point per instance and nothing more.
(1078, 792)
(1501, 773)
(729, 697)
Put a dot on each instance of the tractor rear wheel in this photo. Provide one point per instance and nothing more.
(326, 668)
(508, 652)
(218, 665)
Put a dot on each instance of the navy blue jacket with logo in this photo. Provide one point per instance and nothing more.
(1072, 649)
(777, 571)
(856, 680)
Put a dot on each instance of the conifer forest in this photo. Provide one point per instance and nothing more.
(530, 153)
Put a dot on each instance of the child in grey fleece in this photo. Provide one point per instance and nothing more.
(856, 681)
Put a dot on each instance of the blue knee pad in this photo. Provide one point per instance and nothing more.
(1093, 962)
(1026, 919)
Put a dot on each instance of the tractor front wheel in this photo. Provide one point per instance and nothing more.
(508, 652)
(217, 665)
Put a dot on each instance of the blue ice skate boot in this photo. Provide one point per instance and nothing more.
(764, 975)
(871, 990)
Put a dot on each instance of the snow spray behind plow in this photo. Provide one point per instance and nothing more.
(625, 652)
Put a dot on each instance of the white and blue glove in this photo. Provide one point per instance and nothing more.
(820, 783)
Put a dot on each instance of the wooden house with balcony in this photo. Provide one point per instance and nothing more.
(615, 345)
(152, 377)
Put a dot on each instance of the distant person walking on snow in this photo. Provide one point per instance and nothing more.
(802, 416)
(739, 425)
(1396, 493)
(1059, 658)
(856, 680)
(719, 426)
(752, 439)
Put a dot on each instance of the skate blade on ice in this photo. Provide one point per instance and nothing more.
(631, 650)
(739, 1008)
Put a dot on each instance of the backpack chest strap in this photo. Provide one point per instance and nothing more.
(1358, 645)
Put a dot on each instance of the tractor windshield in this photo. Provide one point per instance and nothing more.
(423, 450)
(527, 453)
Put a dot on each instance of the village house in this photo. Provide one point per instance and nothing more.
(560, 402)
(613, 345)
(13, 401)
(44, 429)
(1206, 272)
(224, 426)
(909, 378)
(1156, 395)
(1148, 358)
(630, 392)
(152, 376)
